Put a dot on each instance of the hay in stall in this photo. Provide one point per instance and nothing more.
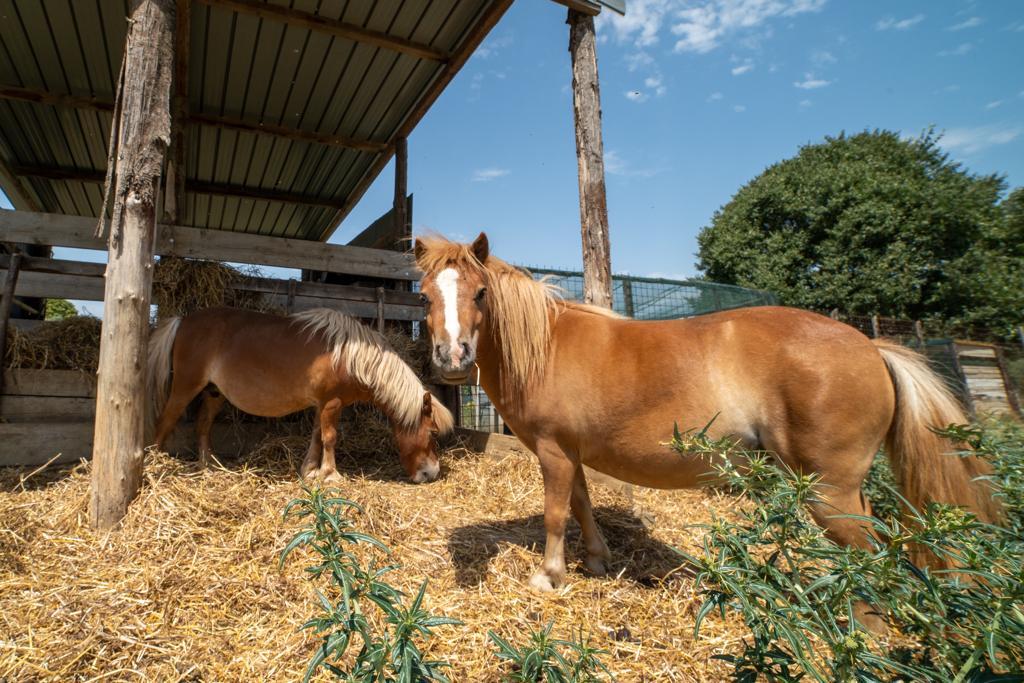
(188, 589)
(182, 286)
(69, 344)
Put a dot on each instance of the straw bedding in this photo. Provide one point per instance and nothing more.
(189, 589)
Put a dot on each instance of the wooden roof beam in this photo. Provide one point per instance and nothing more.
(226, 122)
(196, 186)
(334, 27)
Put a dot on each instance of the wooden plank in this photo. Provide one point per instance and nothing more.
(334, 27)
(34, 443)
(586, 97)
(12, 92)
(37, 264)
(381, 233)
(975, 351)
(47, 409)
(219, 245)
(31, 382)
(57, 286)
(326, 291)
(356, 309)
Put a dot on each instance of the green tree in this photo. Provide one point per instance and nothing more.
(874, 223)
(58, 309)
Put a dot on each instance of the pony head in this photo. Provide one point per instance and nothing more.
(455, 298)
(417, 447)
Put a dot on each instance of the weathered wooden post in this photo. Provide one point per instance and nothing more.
(586, 100)
(140, 136)
(6, 302)
(919, 333)
(403, 227)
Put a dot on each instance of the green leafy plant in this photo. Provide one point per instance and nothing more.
(394, 653)
(552, 660)
(797, 591)
(59, 309)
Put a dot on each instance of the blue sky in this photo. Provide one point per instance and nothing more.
(699, 96)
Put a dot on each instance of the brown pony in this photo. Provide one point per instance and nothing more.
(271, 366)
(582, 386)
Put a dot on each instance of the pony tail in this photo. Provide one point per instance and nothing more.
(158, 371)
(921, 459)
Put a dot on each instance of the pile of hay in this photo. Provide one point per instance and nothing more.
(189, 590)
(69, 344)
(183, 286)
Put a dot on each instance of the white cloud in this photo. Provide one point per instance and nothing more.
(739, 108)
(811, 83)
(891, 23)
(616, 165)
(495, 44)
(805, 103)
(993, 104)
(637, 59)
(971, 140)
(823, 57)
(715, 96)
(698, 25)
(742, 69)
(655, 84)
(636, 96)
(486, 175)
(968, 23)
(959, 51)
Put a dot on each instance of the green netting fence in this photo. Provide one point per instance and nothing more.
(647, 298)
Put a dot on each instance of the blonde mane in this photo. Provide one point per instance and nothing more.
(522, 310)
(369, 359)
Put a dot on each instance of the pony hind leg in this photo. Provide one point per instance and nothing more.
(598, 556)
(213, 401)
(183, 390)
(329, 414)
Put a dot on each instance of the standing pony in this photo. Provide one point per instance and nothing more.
(580, 385)
(271, 366)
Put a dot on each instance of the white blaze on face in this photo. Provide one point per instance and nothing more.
(448, 283)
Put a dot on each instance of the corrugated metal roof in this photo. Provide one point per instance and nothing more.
(244, 68)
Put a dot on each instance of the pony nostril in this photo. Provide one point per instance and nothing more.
(465, 350)
(439, 350)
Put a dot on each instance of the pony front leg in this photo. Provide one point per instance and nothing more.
(329, 414)
(559, 475)
(598, 556)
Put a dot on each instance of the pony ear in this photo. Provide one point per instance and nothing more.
(428, 404)
(417, 250)
(481, 248)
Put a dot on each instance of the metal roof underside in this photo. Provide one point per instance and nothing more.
(243, 67)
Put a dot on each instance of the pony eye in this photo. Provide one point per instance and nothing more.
(424, 299)
(481, 293)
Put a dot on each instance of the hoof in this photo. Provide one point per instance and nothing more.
(542, 582)
(597, 564)
(331, 477)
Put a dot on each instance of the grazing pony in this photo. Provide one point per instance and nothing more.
(270, 365)
(580, 385)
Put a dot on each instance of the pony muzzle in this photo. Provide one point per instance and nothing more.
(427, 472)
(453, 362)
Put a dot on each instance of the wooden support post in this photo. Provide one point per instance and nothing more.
(403, 226)
(919, 333)
(174, 196)
(627, 297)
(380, 310)
(143, 135)
(586, 98)
(834, 314)
(6, 302)
(1020, 334)
(876, 329)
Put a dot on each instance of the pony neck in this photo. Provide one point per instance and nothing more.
(493, 371)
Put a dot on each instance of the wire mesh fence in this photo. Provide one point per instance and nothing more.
(647, 298)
